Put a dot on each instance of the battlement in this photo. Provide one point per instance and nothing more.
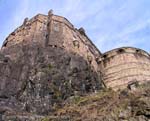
(62, 20)
(122, 50)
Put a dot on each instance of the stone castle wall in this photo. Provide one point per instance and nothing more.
(122, 66)
(55, 31)
(31, 30)
(63, 34)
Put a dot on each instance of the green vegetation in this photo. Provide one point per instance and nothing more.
(47, 69)
(107, 104)
(50, 66)
(45, 119)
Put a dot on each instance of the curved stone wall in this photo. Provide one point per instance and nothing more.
(122, 66)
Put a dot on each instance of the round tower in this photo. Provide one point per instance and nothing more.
(122, 66)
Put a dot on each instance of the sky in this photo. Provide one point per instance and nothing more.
(108, 23)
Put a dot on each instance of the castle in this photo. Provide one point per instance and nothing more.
(117, 68)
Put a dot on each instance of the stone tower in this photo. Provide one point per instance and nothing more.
(125, 66)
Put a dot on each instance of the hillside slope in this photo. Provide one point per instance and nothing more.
(106, 105)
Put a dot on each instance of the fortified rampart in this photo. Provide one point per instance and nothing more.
(122, 66)
(117, 68)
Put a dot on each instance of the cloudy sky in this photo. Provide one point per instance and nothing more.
(109, 23)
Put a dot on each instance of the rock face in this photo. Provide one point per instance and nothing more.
(40, 77)
(105, 105)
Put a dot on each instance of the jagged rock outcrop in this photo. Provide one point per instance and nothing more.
(106, 105)
(40, 77)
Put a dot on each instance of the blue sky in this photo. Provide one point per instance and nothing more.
(109, 23)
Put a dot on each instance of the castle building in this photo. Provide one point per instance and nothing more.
(117, 68)
(55, 31)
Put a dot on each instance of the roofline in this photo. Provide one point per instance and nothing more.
(125, 47)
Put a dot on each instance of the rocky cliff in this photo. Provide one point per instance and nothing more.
(39, 77)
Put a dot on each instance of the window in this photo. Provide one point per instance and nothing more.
(56, 26)
(104, 56)
(138, 51)
(89, 58)
(76, 43)
(121, 50)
